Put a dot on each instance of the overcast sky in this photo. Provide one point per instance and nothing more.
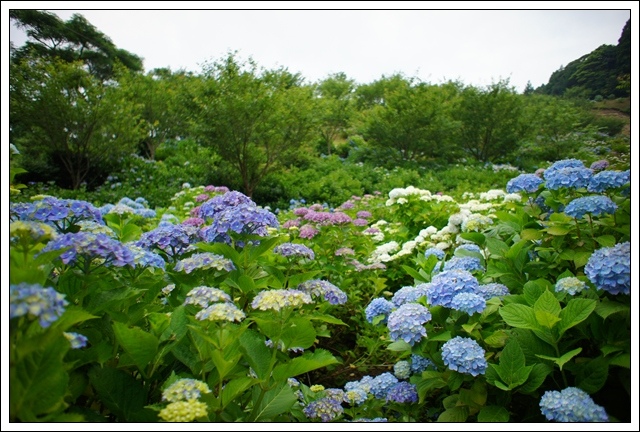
(476, 47)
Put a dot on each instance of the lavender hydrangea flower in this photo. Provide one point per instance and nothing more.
(595, 205)
(600, 165)
(491, 290)
(420, 364)
(467, 263)
(609, 268)
(446, 285)
(279, 299)
(294, 249)
(34, 301)
(173, 240)
(528, 183)
(470, 247)
(403, 392)
(379, 306)
(573, 178)
(203, 296)
(307, 231)
(606, 180)
(373, 420)
(571, 285)
(221, 312)
(63, 213)
(204, 261)
(469, 303)
(87, 246)
(242, 218)
(219, 203)
(381, 385)
(363, 214)
(464, 355)
(406, 323)
(328, 291)
(571, 405)
(76, 340)
(344, 251)
(325, 409)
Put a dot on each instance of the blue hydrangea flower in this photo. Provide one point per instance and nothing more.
(446, 285)
(561, 164)
(571, 405)
(491, 290)
(528, 183)
(325, 409)
(204, 261)
(471, 247)
(34, 301)
(61, 213)
(381, 385)
(328, 291)
(464, 355)
(609, 268)
(469, 303)
(145, 258)
(408, 294)
(86, 246)
(439, 253)
(403, 392)
(606, 180)
(294, 249)
(571, 285)
(402, 369)
(378, 306)
(420, 364)
(407, 321)
(467, 263)
(595, 205)
(335, 394)
(173, 240)
(76, 340)
(219, 203)
(355, 396)
(279, 299)
(573, 178)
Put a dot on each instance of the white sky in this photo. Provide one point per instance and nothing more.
(476, 47)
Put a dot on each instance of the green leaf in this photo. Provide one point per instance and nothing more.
(306, 363)
(592, 376)
(581, 258)
(606, 307)
(547, 302)
(576, 311)
(519, 316)
(477, 238)
(140, 345)
(533, 289)
(455, 380)
(559, 230)
(71, 316)
(234, 388)
(328, 319)
(38, 380)
(606, 240)
(539, 372)
(246, 284)
(545, 319)
(496, 339)
(622, 360)
(399, 346)
(531, 234)
(298, 333)
(297, 279)
(257, 354)
(276, 401)
(493, 413)
(122, 394)
(512, 369)
(455, 414)
(560, 361)
(440, 337)
(430, 380)
(177, 326)
(417, 277)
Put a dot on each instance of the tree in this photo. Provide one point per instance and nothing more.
(335, 108)
(490, 121)
(73, 40)
(256, 120)
(62, 116)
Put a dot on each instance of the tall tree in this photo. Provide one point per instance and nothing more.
(255, 119)
(73, 40)
(335, 109)
(62, 115)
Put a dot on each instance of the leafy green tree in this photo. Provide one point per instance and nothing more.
(335, 107)
(256, 120)
(65, 118)
(73, 40)
(490, 121)
(373, 94)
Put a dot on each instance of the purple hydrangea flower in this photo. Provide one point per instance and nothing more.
(595, 205)
(60, 213)
(145, 258)
(325, 409)
(174, 240)
(403, 392)
(204, 261)
(378, 306)
(464, 355)
(294, 249)
(219, 203)
(291, 223)
(87, 246)
(600, 165)
(307, 231)
(406, 323)
(243, 219)
(571, 405)
(609, 268)
(328, 291)
(528, 183)
(34, 301)
(363, 214)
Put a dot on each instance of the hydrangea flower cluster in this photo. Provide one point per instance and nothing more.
(420, 364)
(446, 285)
(464, 355)
(439, 253)
(606, 180)
(561, 164)
(407, 321)
(183, 411)
(203, 296)
(402, 369)
(528, 183)
(355, 396)
(86, 246)
(476, 222)
(294, 249)
(279, 299)
(380, 385)
(409, 294)
(26, 233)
(467, 263)
(242, 219)
(185, 389)
(76, 340)
(491, 290)
(600, 165)
(571, 405)
(62, 213)
(34, 301)
(595, 205)
(325, 409)
(145, 258)
(403, 392)
(609, 268)
(573, 178)
(308, 231)
(126, 205)
(318, 288)
(571, 285)
(174, 240)
(378, 306)
(344, 251)
(219, 203)
(469, 303)
(204, 261)
(221, 312)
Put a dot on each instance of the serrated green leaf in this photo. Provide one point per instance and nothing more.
(545, 319)
(477, 238)
(592, 376)
(512, 369)
(560, 361)
(256, 353)
(547, 302)
(429, 381)
(417, 277)
(532, 290)
(455, 414)
(581, 258)
(539, 372)
(469, 327)
(298, 333)
(576, 311)
(606, 307)
(234, 388)
(72, 315)
(306, 363)
(440, 337)
(606, 240)
(622, 360)
(140, 345)
(455, 380)
(327, 318)
(531, 234)
(559, 230)
(399, 346)
(450, 401)
(519, 316)
(493, 413)
(122, 394)
(276, 401)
